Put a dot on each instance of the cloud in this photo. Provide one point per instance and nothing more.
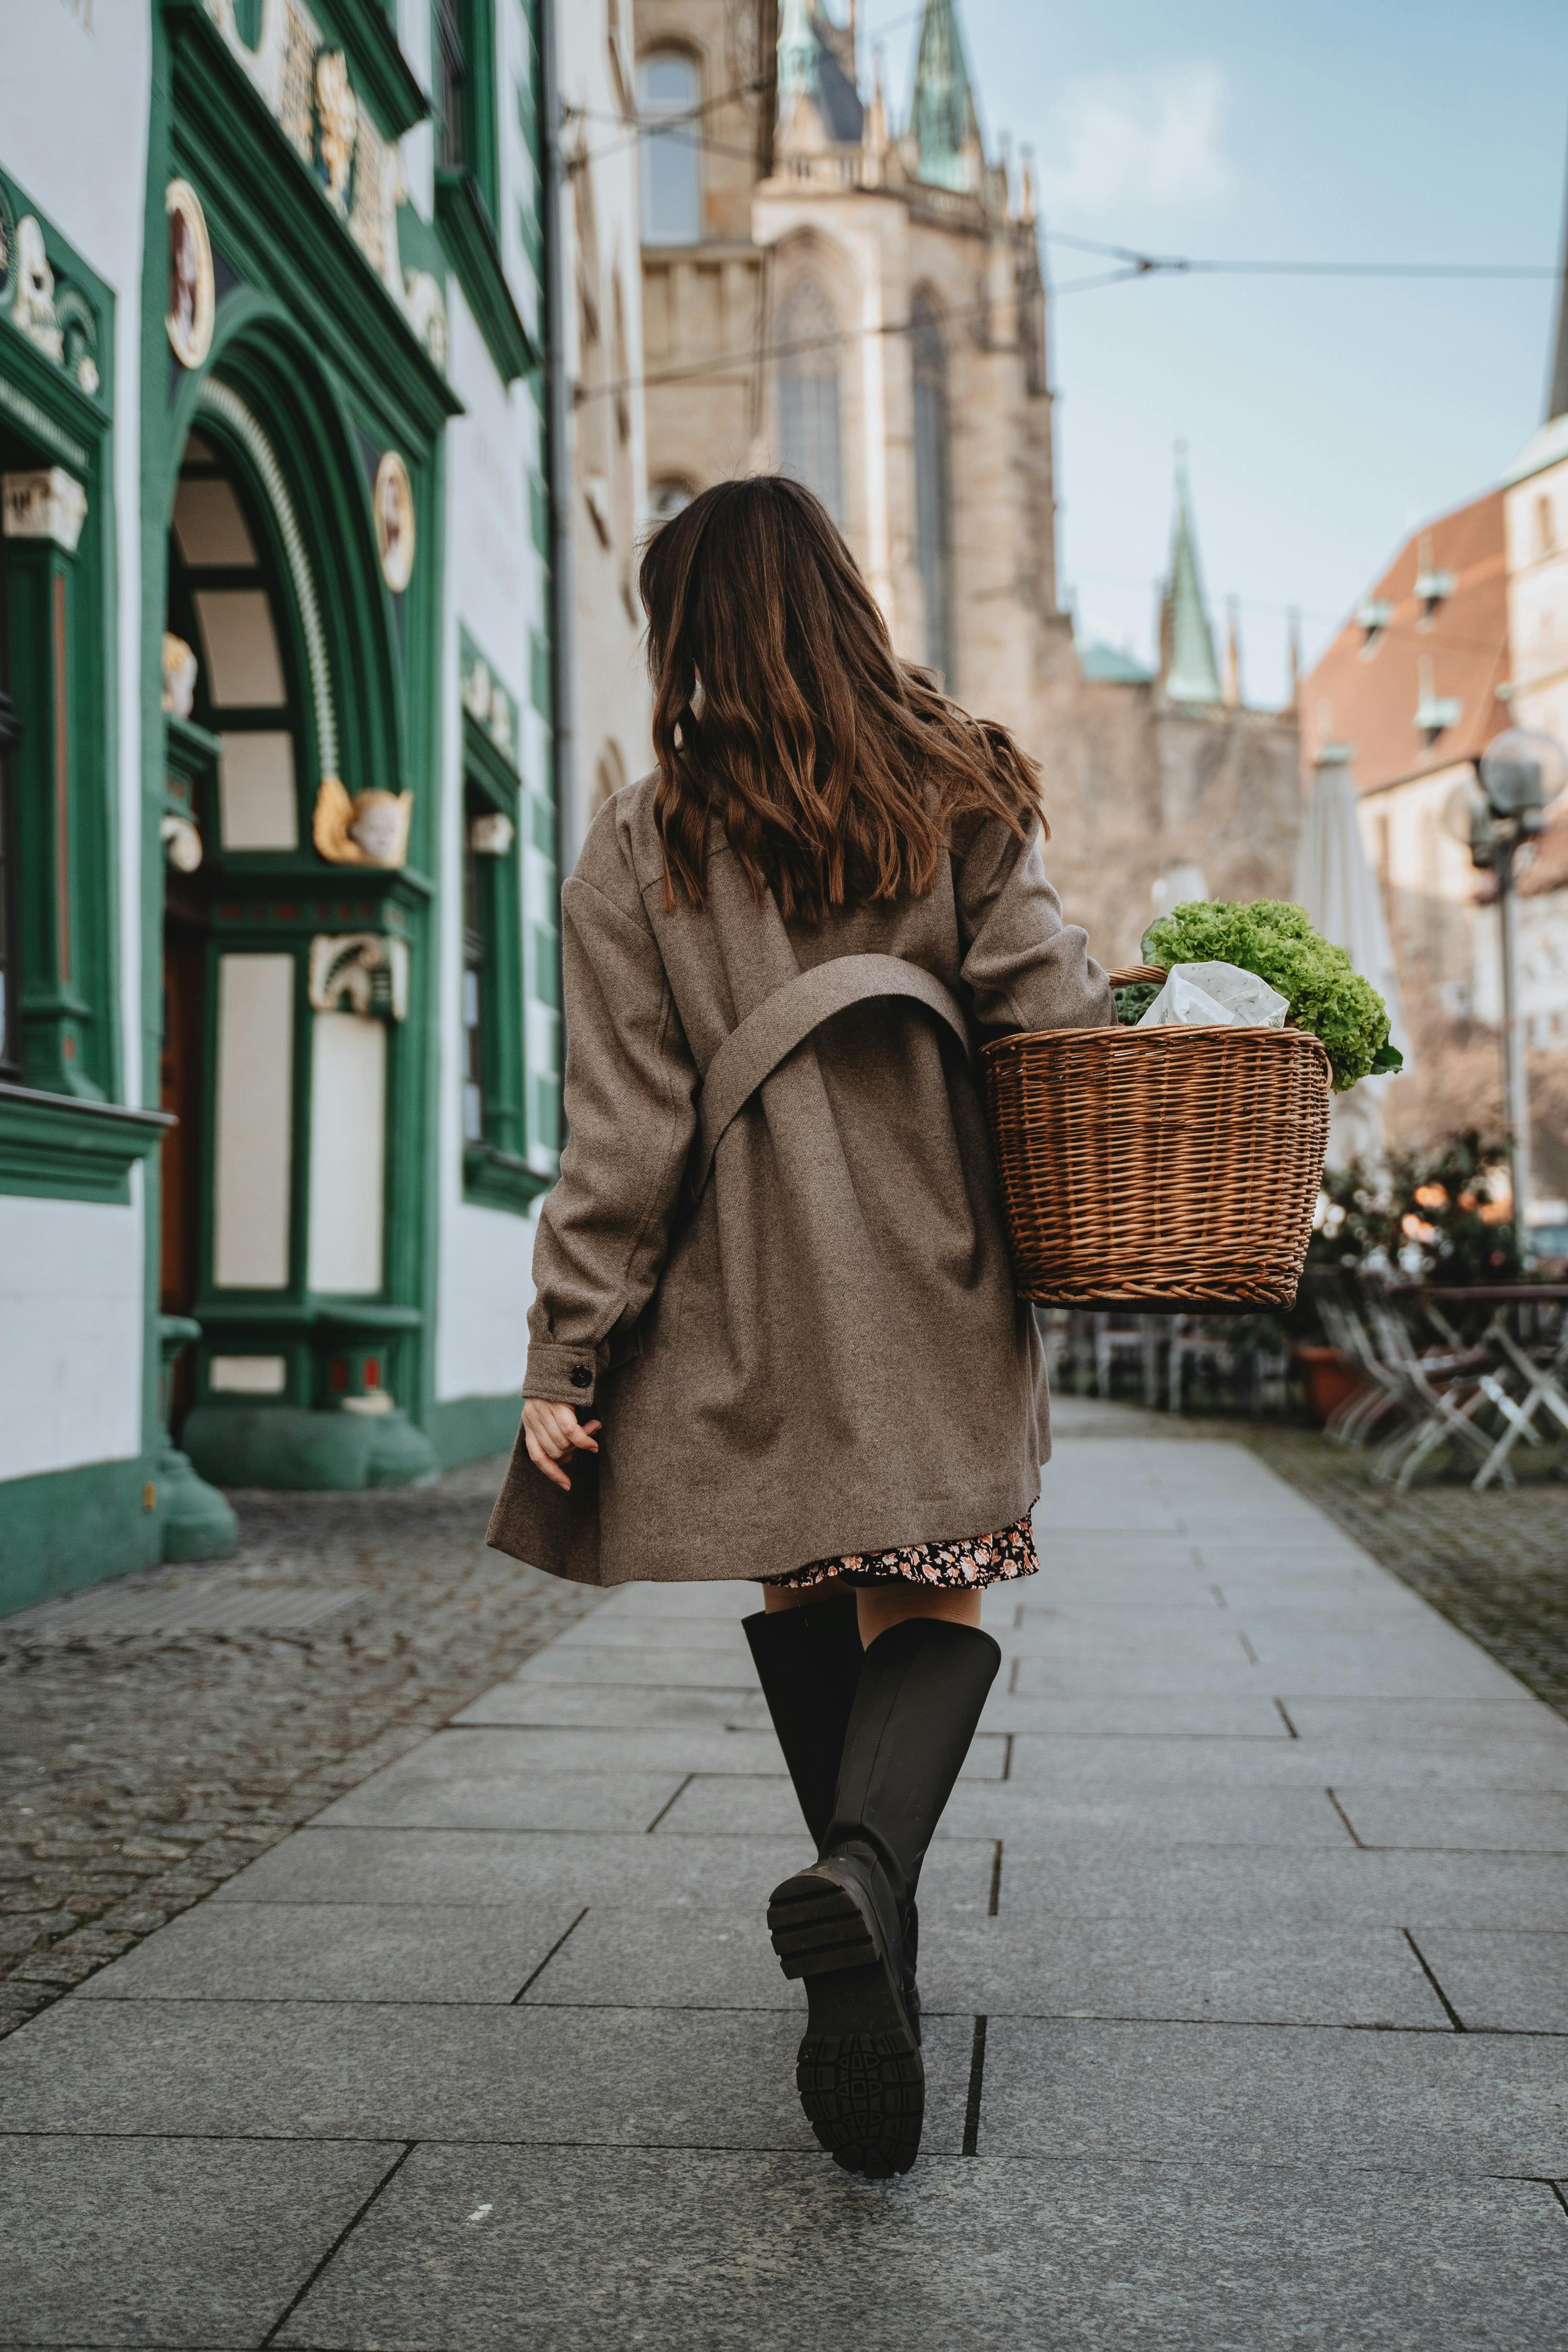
(1116, 143)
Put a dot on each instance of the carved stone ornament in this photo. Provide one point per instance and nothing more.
(393, 508)
(33, 304)
(337, 125)
(372, 829)
(302, 80)
(49, 504)
(179, 676)
(486, 700)
(192, 293)
(55, 316)
(361, 972)
(181, 844)
(490, 836)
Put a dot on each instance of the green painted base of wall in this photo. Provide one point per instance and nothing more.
(281, 1445)
(465, 1429)
(65, 1529)
(198, 1523)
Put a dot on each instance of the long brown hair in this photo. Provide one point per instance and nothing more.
(780, 707)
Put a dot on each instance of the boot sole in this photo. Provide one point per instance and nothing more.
(858, 2068)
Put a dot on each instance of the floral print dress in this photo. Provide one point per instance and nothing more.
(971, 1562)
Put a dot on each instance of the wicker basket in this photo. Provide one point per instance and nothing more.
(1159, 1169)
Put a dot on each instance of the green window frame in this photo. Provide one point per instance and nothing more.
(497, 1172)
(468, 174)
(62, 1134)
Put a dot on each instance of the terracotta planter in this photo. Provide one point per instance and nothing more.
(1327, 1381)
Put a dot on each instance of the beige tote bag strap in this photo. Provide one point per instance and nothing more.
(784, 1020)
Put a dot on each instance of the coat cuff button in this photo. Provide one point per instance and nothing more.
(582, 1377)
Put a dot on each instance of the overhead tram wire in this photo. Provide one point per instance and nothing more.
(1140, 267)
(1150, 265)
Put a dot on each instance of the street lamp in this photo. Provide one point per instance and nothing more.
(1521, 774)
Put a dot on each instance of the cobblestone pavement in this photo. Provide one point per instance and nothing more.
(1496, 1565)
(137, 1773)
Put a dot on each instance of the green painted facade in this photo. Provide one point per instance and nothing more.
(328, 356)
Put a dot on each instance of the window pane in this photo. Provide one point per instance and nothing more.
(243, 668)
(932, 518)
(672, 159)
(209, 524)
(256, 792)
(809, 448)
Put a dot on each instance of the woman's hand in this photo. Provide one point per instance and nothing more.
(553, 1434)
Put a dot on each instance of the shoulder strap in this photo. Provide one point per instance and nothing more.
(784, 1020)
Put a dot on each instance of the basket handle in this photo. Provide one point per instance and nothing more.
(1139, 972)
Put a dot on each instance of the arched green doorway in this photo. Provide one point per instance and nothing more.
(295, 914)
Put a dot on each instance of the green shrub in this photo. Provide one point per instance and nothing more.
(1277, 941)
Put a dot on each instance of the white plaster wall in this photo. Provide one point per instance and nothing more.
(70, 1333)
(612, 699)
(495, 589)
(75, 85)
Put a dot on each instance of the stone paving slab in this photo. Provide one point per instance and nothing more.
(375, 1865)
(1249, 1972)
(199, 2242)
(1079, 1877)
(566, 1705)
(426, 1790)
(1500, 1983)
(1496, 1821)
(1210, 1815)
(304, 2070)
(1426, 2102)
(965, 2256)
(349, 1952)
(1051, 1762)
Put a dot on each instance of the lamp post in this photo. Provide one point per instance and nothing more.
(1520, 774)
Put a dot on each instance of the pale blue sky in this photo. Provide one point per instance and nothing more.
(1324, 418)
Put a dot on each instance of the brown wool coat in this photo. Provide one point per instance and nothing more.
(823, 1352)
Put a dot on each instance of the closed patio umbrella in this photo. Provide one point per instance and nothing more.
(1336, 885)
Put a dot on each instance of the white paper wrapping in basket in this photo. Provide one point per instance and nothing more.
(1215, 996)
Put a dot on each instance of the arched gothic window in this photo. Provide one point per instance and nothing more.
(933, 534)
(669, 86)
(809, 440)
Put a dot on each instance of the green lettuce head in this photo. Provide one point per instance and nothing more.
(1277, 939)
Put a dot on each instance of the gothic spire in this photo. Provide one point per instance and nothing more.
(1192, 674)
(941, 114)
(797, 50)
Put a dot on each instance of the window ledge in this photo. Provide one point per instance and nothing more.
(56, 1146)
(474, 250)
(500, 1179)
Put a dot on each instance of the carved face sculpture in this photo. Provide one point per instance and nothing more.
(378, 827)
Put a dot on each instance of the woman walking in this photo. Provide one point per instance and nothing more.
(776, 1335)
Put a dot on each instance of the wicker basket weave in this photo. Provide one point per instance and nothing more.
(1173, 1169)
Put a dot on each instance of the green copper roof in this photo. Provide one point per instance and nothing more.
(943, 112)
(1193, 674)
(797, 50)
(1106, 664)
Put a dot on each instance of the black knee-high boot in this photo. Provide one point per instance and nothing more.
(808, 1661)
(839, 1923)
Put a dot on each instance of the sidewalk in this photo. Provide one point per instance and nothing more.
(1244, 1957)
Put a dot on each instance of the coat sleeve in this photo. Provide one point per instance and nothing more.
(629, 1099)
(1026, 969)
